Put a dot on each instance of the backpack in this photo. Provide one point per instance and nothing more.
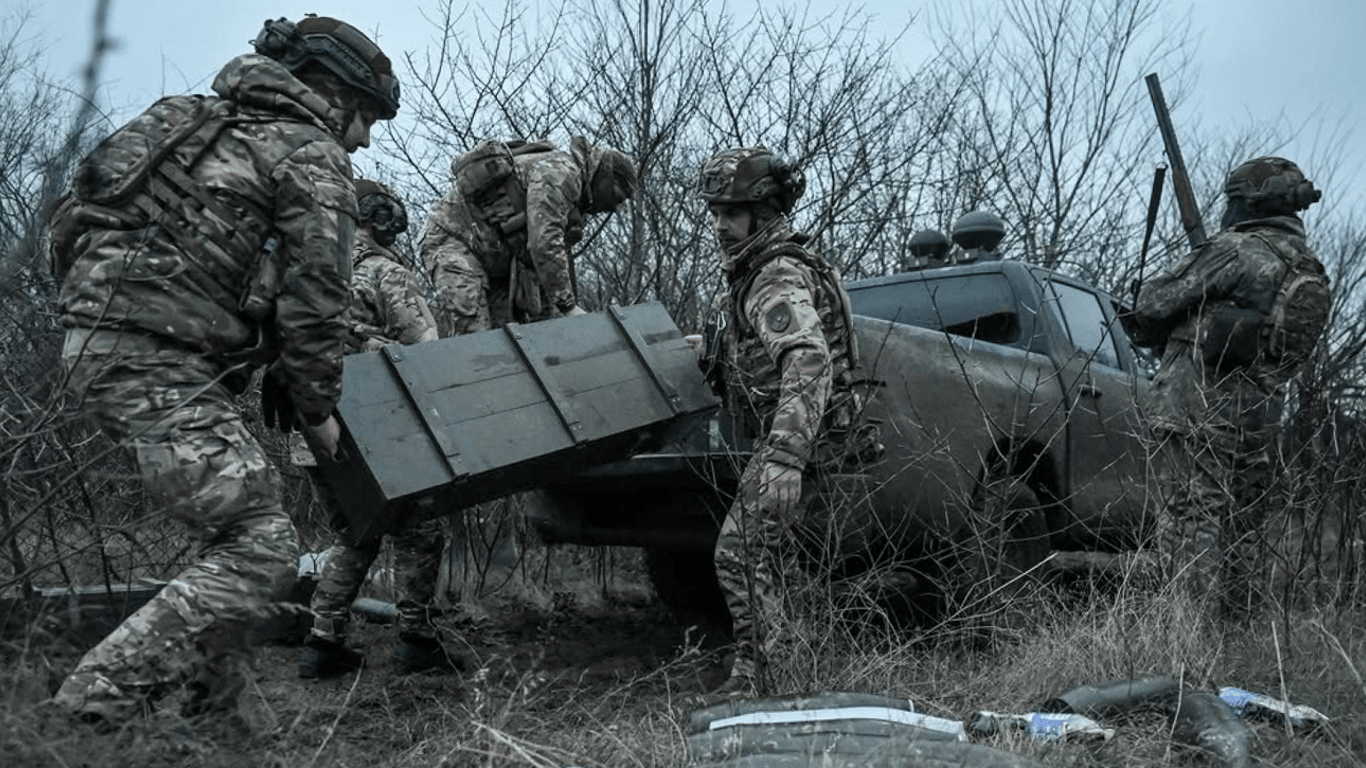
(121, 165)
(141, 174)
(486, 176)
(1299, 312)
(111, 175)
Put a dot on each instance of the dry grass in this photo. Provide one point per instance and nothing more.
(591, 672)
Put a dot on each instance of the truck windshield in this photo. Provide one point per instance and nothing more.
(981, 306)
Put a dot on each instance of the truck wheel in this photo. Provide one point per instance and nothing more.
(993, 572)
(685, 582)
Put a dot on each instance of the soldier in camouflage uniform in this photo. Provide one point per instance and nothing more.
(387, 307)
(1235, 320)
(789, 361)
(160, 340)
(498, 243)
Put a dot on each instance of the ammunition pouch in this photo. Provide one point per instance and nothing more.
(1229, 338)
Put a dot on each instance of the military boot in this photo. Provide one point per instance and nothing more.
(416, 653)
(320, 658)
(745, 680)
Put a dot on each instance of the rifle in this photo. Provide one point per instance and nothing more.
(1181, 183)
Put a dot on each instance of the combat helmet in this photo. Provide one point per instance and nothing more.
(1271, 185)
(344, 50)
(381, 210)
(750, 175)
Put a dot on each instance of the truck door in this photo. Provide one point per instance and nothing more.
(1107, 459)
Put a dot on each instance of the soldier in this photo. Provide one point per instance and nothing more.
(789, 360)
(498, 243)
(387, 307)
(1235, 320)
(167, 301)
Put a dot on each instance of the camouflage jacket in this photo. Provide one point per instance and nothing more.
(555, 184)
(285, 160)
(789, 348)
(387, 307)
(1237, 269)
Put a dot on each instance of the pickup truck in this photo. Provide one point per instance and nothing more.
(1006, 398)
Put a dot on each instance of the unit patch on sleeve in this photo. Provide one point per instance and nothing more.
(779, 318)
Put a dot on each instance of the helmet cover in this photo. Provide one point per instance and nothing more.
(344, 50)
(1271, 184)
(750, 175)
(979, 229)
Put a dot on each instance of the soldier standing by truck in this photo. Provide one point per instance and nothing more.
(498, 243)
(1236, 320)
(789, 360)
(387, 307)
(167, 312)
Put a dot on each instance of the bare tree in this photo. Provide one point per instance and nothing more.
(827, 92)
(62, 491)
(1056, 133)
(664, 82)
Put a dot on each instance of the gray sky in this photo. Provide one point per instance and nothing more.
(1291, 64)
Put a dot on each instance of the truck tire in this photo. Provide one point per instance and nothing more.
(993, 572)
(685, 582)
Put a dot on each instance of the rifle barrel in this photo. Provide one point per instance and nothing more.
(1181, 185)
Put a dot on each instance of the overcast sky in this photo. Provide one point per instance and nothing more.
(1257, 60)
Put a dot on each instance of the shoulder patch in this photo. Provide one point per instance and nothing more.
(779, 318)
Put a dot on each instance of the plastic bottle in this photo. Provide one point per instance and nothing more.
(1042, 726)
(1258, 706)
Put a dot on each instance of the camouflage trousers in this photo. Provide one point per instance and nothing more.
(417, 557)
(755, 566)
(1210, 528)
(201, 467)
(467, 300)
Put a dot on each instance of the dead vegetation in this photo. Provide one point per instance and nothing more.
(585, 668)
(578, 664)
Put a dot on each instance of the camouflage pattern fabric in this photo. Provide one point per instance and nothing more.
(485, 278)
(201, 467)
(387, 307)
(1216, 424)
(785, 349)
(153, 326)
(286, 161)
(417, 558)
(466, 300)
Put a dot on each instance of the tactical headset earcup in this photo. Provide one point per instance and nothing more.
(1305, 195)
(791, 183)
(276, 39)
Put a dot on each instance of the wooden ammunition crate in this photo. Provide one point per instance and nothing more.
(472, 418)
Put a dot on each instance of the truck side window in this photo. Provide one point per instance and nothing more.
(977, 306)
(1086, 323)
